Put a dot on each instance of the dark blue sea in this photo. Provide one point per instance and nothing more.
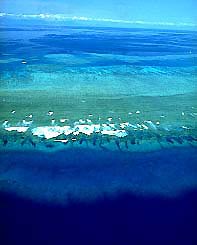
(85, 196)
(140, 198)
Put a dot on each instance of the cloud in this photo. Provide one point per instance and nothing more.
(61, 17)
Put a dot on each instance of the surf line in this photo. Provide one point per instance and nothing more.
(125, 136)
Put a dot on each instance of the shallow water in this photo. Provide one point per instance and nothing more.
(103, 71)
(104, 61)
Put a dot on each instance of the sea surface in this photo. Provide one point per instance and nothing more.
(103, 59)
(136, 182)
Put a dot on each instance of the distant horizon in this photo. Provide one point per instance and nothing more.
(170, 14)
(61, 19)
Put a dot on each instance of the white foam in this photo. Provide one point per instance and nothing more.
(62, 120)
(47, 131)
(81, 121)
(53, 122)
(112, 125)
(151, 125)
(67, 130)
(139, 125)
(50, 113)
(76, 133)
(184, 127)
(85, 129)
(26, 123)
(117, 133)
(111, 129)
(107, 126)
(132, 126)
(18, 129)
(97, 128)
(124, 125)
(5, 124)
(144, 126)
(121, 133)
(88, 120)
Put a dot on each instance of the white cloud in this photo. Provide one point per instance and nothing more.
(61, 17)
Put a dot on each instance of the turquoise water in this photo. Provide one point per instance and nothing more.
(99, 60)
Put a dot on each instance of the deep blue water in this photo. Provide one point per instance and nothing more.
(159, 208)
(127, 219)
(30, 42)
(100, 40)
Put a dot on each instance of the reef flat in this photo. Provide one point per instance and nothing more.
(56, 119)
(175, 109)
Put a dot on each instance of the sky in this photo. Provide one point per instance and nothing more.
(161, 11)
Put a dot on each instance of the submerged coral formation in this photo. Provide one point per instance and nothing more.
(123, 136)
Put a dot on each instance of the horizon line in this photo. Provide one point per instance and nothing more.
(62, 17)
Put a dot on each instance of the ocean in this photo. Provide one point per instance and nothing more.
(98, 136)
